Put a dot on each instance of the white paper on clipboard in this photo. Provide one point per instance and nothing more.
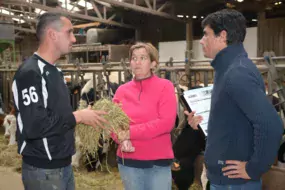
(199, 100)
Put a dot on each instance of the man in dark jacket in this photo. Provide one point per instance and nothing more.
(244, 129)
(45, 118)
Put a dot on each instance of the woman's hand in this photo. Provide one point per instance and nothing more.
(126, 146)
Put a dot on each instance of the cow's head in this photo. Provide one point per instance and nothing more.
(10, 128)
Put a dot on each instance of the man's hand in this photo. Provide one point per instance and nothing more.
(126, 146)
(237, 169)
(193, 121)
(90, 117)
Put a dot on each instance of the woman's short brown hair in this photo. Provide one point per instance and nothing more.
(151, 50)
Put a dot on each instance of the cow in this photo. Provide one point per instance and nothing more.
(10, 125)
(187, 148)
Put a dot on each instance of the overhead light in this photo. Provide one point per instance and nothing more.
(202, 17)
(254, 20)
(239, 1)
(194, 16)
(187, 16)
(280, 3)
(180, 16)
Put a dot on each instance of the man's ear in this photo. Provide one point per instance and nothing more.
(223, 36)
(51, 34)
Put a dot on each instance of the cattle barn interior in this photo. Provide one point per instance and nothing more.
(98, 63)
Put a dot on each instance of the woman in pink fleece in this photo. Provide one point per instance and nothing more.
(145, 151)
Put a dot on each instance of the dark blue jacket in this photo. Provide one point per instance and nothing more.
(243, 124)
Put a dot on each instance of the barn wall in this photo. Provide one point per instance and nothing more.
(176, 49)
(271, 36)
(27, 46)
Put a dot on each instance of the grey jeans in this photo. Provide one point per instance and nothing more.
(155, 178)
(47, 179)
(251, 185)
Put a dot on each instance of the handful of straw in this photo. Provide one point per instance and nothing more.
(89, 136)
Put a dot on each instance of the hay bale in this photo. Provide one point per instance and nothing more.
(89, 136)
(9, 156)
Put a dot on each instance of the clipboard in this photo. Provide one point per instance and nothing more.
(195, 98)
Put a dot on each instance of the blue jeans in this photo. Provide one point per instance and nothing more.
(155, 178)
(47, 179)
(251, 185)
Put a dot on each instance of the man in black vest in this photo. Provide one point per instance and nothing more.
(45, 118)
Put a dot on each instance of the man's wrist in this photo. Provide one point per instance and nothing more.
(77, 116)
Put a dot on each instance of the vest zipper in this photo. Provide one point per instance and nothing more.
(140, 91)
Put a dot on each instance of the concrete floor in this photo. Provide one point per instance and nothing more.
(10, 180)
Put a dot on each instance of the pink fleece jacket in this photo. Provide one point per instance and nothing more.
(151, 106)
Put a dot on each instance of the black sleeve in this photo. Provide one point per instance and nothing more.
(35, 120)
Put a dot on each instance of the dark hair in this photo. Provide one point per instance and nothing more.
(232, 21)
(47, 19)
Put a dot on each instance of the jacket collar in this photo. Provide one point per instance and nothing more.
(226, 56)
(144, 79)
(42, 59)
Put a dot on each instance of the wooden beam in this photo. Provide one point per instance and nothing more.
(87, 25)
(189, 38)
(19, 37)
(148, 4)
(160, 9)
(25, 29)
(96, 9)
(112, 17)
(105, 12)
(18, 17)
(141, 9)
(63, 11)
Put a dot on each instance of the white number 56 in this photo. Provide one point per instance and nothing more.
(32, 96)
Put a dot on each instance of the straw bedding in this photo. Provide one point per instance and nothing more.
(8, 155)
